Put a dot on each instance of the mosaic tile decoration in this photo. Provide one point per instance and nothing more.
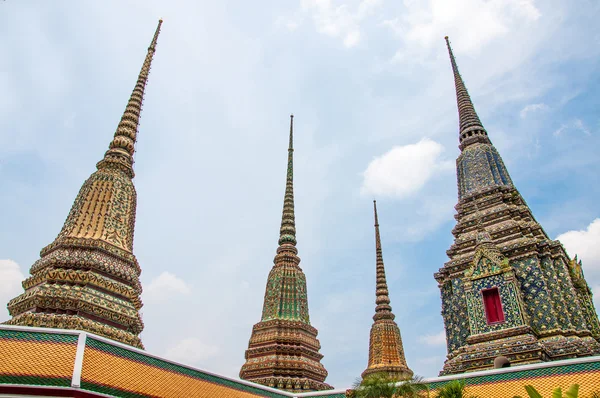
(386, 352)
(283, 351)
(88, 278)
(547, 310)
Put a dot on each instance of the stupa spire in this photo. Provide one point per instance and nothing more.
(383, 309)
(386, 353)
(283, 351)
(122, 147)
(88, 278)
(505, 290)
(471, 128)
(287, 232)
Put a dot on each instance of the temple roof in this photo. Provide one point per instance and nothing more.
(68, 360)
(42, 362)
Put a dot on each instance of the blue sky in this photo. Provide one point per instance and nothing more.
(371, 87)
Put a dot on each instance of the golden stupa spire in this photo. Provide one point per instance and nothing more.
(122, 147)
(386, 353)
(88, 278)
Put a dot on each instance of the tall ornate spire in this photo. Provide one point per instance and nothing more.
(506, 290)
(88, 278)
(383, 309)
(471, 128)
(283, 351)
(479, 167)
(287, 233)
(386, 353)
(122, 147)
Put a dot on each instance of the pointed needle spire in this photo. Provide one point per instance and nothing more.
(122, 147)
(287, 233)
(469, 123)
(383, 309)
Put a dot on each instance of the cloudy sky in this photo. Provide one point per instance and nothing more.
(371, 87)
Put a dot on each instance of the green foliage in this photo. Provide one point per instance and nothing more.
(378, 386)
(454, 389)
(572, 392)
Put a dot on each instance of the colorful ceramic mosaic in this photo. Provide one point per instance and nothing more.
(88, 278)
(283, 351)
(386, 353)
(544, 309)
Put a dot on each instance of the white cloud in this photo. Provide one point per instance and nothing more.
(533, 108)
(191, 351)
(404, 170)
(10, 283)
(338, 20)
(164, 285)
(584, 244)
(434, 339)
(574, 125)
(579, 125)
(472, 23)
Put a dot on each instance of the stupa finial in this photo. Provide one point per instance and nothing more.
(471, 128)
(383, 309)
(287, 233)
(386, 353)
(122, 147)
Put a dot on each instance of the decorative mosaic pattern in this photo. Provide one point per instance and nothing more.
(546, 301)
(386, 353)
(584, 294)
(510, 305)
(88, 278)
(538, 302)
(480, 167)
(283, 351)
(455, 314)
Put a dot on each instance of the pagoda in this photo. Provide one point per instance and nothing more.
(386, 354)
(283, 351)
(510, 294)
(88, 278)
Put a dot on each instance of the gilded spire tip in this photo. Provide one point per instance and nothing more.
(122, 147)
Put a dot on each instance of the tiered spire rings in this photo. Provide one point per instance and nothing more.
(386, 353)
(470, 127)
(283, 351)
(88, 278)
